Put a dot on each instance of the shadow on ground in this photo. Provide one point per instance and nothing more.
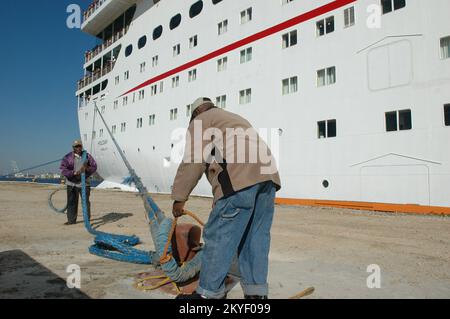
(109, 219)
(22, 277)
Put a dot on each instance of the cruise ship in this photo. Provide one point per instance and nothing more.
(354, 94)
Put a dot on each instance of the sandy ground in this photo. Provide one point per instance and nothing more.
(329, 249)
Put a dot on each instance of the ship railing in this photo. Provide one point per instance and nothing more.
(89, 55)
(93, 7)
(97, 74)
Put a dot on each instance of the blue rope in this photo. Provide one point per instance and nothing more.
(31, 168)
(120, 247)
(112, 246)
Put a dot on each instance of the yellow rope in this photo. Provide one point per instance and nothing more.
(165, 258)
(166, 280)
(304, 293)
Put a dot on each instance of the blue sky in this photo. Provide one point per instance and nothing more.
(41, 60)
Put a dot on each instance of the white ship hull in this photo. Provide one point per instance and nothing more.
(377, 70)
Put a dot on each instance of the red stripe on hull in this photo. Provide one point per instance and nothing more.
(253, 38)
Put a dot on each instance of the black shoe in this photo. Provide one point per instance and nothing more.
(69, 224)
(255, 297)
(193, 296)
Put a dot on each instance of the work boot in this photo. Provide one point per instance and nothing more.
(255, 297)
(193, 296)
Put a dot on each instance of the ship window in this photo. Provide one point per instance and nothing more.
(155, 61)
(289, 85)
(222, 64)
(391, 121)
(326, 129)
(175, 22)
(173, 114)
(223, 27)
(193, 41)
(322, 131)
(246, 55)
(445, 48)
(398, 4)
(326, 184)
(330, 24)
(104, 84)
(447, 114)
(128, 50)
(157, 32)
(391, 5)
(142, 42)
(154, 89)
(176, 50)
(196, 9)
(221, 101)
(142, 67)
(245, 96)
(326, 76)
(289, 39)
(325, 26)
(176, 81)
(246, 15)
(192, 75)
(216, 1)
(151, 120)
(96, 89)
(189, 110)
(129, 15)
(349, 17)
(405, 121)
(141, 94)
(331, 128)
(386, 5)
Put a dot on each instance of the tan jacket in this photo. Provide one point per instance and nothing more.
(247, 161)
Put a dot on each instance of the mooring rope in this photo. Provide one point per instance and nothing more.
(121, 247)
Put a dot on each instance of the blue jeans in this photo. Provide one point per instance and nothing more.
(239, 225)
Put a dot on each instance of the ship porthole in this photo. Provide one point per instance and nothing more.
(142, 42)
(175, 21)
(326, 184)
(128, 50)
(196, 9)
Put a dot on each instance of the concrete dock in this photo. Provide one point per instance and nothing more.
(330, 249)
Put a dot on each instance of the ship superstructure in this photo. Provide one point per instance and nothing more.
(359, 101)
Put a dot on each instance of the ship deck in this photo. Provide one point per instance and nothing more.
(327, 248)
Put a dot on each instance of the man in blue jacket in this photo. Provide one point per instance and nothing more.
(72, 166)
